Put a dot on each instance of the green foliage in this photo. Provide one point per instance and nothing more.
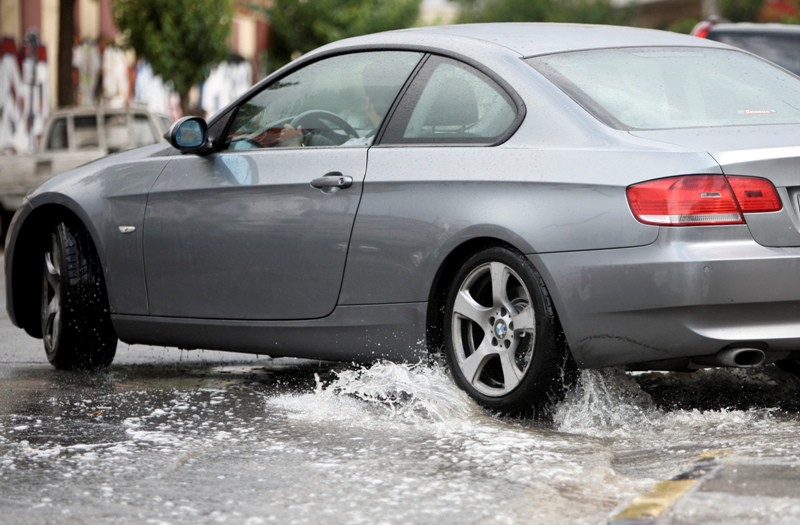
(684, 25)
(740, 10)
(584, 11)
(181, 39)
(505, 10)
(591, 12)
(760, 11)
(302, 25)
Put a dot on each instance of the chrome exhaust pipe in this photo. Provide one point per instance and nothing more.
(741, 357)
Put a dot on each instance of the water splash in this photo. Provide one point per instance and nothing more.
(604, 402)
(399, 414)
(413, 391)
(686, 414)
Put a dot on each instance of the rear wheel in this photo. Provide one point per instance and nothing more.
(502, 340)
(76, 324)
(5, 220)
(791, 365)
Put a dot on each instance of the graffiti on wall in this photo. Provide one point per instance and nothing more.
(24, 94)
(102, 77)
(225, 83)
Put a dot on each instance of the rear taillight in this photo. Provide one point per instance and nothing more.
(701, 200)
(754, 194)
(702, 29)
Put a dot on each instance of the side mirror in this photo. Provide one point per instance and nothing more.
(189, 135)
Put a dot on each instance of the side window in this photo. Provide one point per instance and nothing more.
(57, 141)
(338, 101)
(143, 132)
(453, 103)
(117, 129)
(86, 135)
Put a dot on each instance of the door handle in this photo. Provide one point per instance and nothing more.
(332, 181)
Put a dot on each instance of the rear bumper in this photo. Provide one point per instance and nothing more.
(680, 297)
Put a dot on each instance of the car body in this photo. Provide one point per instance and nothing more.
(522, 198)
(779, 43)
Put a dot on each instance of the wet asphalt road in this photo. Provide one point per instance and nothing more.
(166, 436)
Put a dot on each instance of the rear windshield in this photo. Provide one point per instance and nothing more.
(664, 88)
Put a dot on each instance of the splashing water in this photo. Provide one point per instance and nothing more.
(605, 402)
(408, 391)
(612, 404)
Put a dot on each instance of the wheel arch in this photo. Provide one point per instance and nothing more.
(556, 369)
(25, 259)
(437, 297)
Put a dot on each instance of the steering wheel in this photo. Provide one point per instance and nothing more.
(318, 118)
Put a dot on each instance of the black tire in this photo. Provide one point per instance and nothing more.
(76, 324)
(5, 220)
(503, 343)
(790, 365)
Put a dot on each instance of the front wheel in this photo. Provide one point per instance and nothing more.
(502, 340)
(76, 324)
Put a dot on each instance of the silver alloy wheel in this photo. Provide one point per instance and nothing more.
(493, 329)
(52, 294)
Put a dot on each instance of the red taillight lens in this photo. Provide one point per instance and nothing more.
(755, 195)
(702, 29)
(697, 200)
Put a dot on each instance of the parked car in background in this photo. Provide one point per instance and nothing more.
(75, 136)
(779, 43)
(518, 198)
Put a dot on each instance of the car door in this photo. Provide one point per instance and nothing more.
(260, 228)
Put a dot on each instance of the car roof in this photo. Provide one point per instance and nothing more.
(98, 110)
(525, 39)
(753, 28)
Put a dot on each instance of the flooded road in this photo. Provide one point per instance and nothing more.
(171, 437)
(299, 442)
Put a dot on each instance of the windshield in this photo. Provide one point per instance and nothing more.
(663, 88)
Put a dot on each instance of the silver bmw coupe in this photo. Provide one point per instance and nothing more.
(523, 199)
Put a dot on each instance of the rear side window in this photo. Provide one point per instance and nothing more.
(663, 88)
(452, 103)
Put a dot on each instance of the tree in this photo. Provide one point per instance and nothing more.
(302, 25)
(585, 11)
(181, 39)
(740, 10)
(66, 37)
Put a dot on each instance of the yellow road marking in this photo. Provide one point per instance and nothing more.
(654, 503)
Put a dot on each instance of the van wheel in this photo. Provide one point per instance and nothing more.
(503, 344)
(76, 324)
(5, 220)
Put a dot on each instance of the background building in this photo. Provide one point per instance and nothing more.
(102, 71)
